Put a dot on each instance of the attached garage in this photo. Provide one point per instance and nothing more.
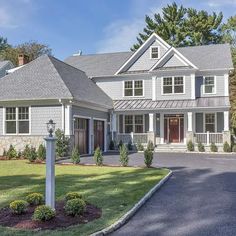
(98, 134)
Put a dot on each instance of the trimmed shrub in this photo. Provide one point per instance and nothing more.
(44, 213)
(150, 146)
(111, 145)
(62, 143)
(32, 155)
(35, 199)
(4, 153)
(120, 144)
(148, 157)
(234, 148)
(75, 156)
(72, 195)
(26, 152)
(75, 207)
(213, 147)
(201, 147)
(98, 158)
(124, 156)
(130, 146)
(226, 147)
(18, 207)
(190, 146)
(41, 152)
(11, 153)
(140, 147)
(19, 155)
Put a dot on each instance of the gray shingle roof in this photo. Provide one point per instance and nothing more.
(49, 78)
(216, 56)
(4, 63)
(148, 104)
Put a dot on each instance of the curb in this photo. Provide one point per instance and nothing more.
(133, 210)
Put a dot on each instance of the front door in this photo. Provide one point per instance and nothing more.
(174, 133)
(99, 134)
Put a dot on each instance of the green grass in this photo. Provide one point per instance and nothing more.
(114, 189)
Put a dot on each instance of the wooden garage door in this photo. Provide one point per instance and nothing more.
(99, 134)
(82, 135)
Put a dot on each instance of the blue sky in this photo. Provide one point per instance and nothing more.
(92, 26)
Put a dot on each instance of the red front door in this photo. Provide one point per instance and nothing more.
(174, 133)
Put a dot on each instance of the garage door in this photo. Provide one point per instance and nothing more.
(99, 134)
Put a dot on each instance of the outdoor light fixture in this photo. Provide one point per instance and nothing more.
(51, 127)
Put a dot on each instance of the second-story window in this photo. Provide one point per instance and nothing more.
(154, 52)
(209, 84)
(133, 88)
(173, 85)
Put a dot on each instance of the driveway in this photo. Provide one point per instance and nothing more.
(198, 200)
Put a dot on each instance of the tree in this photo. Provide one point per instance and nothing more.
(3, 43)
(180, 26)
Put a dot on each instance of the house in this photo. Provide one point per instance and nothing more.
(45, 89)
(158, 93)
(4, 67)
(164, 94)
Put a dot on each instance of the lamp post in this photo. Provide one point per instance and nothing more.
(50, 165)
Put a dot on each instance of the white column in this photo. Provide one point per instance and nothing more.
(193, 90)
(68, 120)
(161, 128)
(226, 84)
(154, 88)
(50, 171)
(114, 122)
(190, 121)
(63, 117)
(226, 121)
(151, 125)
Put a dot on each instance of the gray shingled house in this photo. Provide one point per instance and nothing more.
(159, 93)
(4, 67)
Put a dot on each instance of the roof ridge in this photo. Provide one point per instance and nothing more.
(104, 53)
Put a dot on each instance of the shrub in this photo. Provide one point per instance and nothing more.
(201, 147)
(112, 145)
(234, 148)
(44, 213)
(19, 155)
(150, 146)
(98, 158)
(62, 143)
(75, 156)
(32, 155)
(4, 153)
(35, 199)
(226, 147)
(124, 157)
(18, 206)
(214, 148)
(41, 152)
(129, 146)
(75, 207)
(11, 153)
(190, 146)
(26, 152)
(120, 144)
(148, 157)
(72, 195)
(140, 147)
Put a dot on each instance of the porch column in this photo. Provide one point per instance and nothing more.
(190, 122)
(161, 128)
(226, 121)
(68, 120)
(151, 123)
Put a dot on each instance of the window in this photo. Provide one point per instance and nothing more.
(154, 52)
(133, 88)
(173, 85)
(210, 122)
(134, 123)
(209, 84)
(17, 120)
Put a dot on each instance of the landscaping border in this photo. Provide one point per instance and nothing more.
(133, 210)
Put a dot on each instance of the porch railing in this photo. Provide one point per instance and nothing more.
(132, 137)
(208, 138)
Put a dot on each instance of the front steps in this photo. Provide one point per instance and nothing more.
(171, 148)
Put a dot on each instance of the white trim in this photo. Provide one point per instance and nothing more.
(68, 120)
(226, 84)
(63, 117)
(151, 122)
(226, 121)
(190, 121)
(154, 35)
(90, 106)
(193, 89)
(154, 88)
(173, 85)
(150, 52)
(203, 92)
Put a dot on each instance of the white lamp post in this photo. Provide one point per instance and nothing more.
(50, 165)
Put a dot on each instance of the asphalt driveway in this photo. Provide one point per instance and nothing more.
(198, 200)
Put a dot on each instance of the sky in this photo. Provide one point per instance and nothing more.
(93, 26)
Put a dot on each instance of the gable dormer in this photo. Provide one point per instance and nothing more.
(146, 56)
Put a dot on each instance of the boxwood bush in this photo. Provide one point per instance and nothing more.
(148, 157)
(26, 152)
(75, 156)
(41, 152)
(18, 206)
(190, 146)
(35, 199)
(11, 153)
(98, 158)
(72, 195)
(214, 148)
(201, 147)
(44, 213)
(75, 207)
(140, 147)
(226, 147)
(124, 156)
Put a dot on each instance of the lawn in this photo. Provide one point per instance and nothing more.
(114, 189)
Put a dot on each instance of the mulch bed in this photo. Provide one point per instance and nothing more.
(7, 218)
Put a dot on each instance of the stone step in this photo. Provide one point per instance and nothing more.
(170, 148)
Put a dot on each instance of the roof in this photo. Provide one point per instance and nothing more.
(49, 78)
(4, 63)
(148, 104)
(207, 57)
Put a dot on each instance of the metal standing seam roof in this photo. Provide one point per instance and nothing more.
(148, 104)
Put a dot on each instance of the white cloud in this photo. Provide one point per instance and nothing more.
(218, 3)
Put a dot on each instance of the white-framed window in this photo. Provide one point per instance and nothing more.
(134, 123)
(210, 122)
(17, 120)
(154, 52)
(173, 85)
(133, 88)
(209, 85)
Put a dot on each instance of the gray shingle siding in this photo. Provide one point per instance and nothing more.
(173, 62)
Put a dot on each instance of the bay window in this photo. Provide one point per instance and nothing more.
(173, 85)
(133, 88)
(134, 123)
(209, 84)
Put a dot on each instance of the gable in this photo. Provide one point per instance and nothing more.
(174, 61)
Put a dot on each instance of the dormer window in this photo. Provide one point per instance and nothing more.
(154, 52)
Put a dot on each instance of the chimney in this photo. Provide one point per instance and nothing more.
(22, 59)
